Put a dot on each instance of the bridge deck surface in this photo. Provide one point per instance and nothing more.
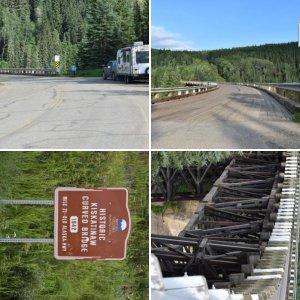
(235, 117)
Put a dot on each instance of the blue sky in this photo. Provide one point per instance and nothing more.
(215, 24)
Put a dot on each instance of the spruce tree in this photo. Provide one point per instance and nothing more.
(137, 20)
(99, 45)
(145, 22)
(124, 25)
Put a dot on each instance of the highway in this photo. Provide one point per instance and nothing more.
(232, 117)
(72, 113)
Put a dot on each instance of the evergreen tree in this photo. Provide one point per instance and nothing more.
(145, 23)
(88, 32)
(124, 24)
(99, 47)
(137, 20)
(266, 63)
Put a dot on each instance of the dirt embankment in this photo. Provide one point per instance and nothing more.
(172, 221)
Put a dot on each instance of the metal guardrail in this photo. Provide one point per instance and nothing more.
(30, 71)
(192, 88)
(288, 90)
(293, 167)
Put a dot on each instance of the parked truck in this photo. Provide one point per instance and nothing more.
(132, 63)
(110, 70)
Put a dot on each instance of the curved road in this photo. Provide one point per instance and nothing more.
(232, 117)
(72, 113)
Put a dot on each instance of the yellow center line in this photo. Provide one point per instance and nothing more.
(57, 101)
(27, 123)
(3, 87)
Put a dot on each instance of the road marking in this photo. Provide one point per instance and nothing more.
(17, 128)
(57, 101)
(3, 87)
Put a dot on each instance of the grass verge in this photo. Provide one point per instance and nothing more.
(89, 73)
(296, 117)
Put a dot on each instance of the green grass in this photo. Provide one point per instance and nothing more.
(296, 116)
(29, 271)
(160, 209)
(89, 73)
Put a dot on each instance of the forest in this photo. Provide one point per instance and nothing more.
(184, 171)
(85, 32)
(30, 271)
(265, 63)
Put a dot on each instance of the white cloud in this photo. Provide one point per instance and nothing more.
(163, 39)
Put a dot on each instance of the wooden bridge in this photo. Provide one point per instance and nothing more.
(245, 237)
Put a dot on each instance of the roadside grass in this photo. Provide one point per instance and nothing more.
(29, 271)
(296, 117)
(161, 209)
(89, 73)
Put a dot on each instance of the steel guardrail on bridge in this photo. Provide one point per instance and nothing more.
(191, 88)
(288, 94)
(29, 71)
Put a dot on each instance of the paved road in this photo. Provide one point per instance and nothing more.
(232, 117)
(69, 113)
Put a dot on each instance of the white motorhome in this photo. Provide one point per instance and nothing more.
(133, 62)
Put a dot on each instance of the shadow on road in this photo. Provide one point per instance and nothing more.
(79, 80)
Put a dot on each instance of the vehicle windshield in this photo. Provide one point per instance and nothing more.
(142, 57)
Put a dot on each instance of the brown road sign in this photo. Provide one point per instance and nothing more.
(91, 223)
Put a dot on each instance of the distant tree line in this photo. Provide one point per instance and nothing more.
(266, 63)
(87, 32)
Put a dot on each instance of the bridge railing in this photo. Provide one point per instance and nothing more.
(288, 94)
(29, 71)
(191, 88)
(291, 91)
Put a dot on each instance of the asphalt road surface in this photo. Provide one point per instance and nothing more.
(72, 113)
(232, 117)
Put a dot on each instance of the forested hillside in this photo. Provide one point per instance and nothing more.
(87, 32)
(266, 63)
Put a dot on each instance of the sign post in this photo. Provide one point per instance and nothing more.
(57, 63)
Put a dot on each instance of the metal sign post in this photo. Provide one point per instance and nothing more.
(26, 240)
(89, 224)
(34, 202)
(57, 63)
